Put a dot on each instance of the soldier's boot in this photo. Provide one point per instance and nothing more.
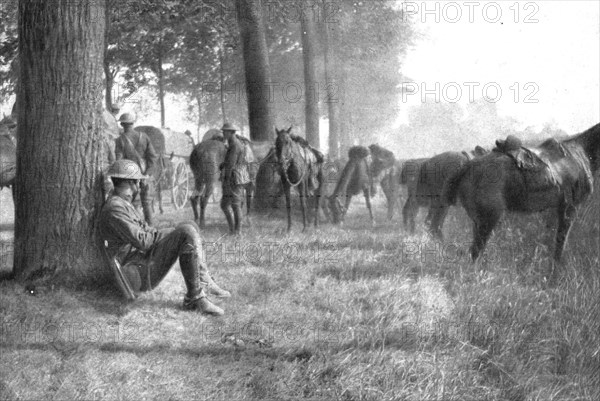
(237, 217)
(196, 299)
(203, 276)
(230, 221)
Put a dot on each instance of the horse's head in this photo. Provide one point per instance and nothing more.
(283, 144)
(590, 141)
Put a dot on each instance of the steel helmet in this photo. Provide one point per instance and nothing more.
(228, 127)
(127, 169)
(128, 118)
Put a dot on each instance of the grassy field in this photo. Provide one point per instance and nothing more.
(350, 313)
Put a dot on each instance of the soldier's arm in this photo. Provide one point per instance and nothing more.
(118, 149)
(124, 225)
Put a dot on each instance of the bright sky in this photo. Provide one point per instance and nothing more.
(559, 56)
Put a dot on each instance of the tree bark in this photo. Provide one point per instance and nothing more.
(332, 86)
(257, 69)
(60, 147)
(107, 73)
(311, 81)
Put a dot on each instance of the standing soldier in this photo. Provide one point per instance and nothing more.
(136, 146)
(234, 177)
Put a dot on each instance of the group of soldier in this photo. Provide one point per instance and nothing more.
(142, 254)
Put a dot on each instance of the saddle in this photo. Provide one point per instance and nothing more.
(536, 164)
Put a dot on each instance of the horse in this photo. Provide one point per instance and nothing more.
(300, 166)
(426, 187)
(555, 175)
(164, 170)
(205, 160)
(386, 170)
(355, 177)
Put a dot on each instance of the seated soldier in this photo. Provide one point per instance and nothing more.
(146, 253)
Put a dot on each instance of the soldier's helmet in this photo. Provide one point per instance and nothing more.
(128, 118)
(127, 169)
(228, 127)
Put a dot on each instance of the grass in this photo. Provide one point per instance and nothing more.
(339, 313)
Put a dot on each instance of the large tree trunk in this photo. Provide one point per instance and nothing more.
(311, 82)
(332, 85)
(258, 72)
(107, 73)
(60, 147)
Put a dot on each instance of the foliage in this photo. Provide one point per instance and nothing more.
(8, 48)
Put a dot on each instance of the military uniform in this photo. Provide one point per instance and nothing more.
(147, 254)
(234, 176)
(145, 151)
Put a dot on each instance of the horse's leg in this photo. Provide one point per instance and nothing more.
(288, 206)
(566, 215)
(249, 193)
(204, 198)
(302, 191)
(318, 203)
(437, 220)
(485, 222)
(387, 188)
(367, 193)
(409, 212)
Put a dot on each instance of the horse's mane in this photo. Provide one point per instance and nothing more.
(380, 152)
(243, 139)
(300, 140)
(358, 152)
(217, 137)
(304, 143)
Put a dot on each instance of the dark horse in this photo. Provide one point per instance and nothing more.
(386, 170)
(557, 175)
(355, 177)
(205, 159)
(300, 166)
(425, 189)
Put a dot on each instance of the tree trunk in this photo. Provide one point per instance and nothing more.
(60, 147)
(161, 86)
(107, 73)
(311, 82)
(332, 86)
(258, 72)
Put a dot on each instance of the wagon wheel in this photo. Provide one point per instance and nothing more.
(180, 188)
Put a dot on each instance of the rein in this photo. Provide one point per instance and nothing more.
(285, 174)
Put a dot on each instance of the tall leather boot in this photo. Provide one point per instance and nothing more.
(195, 299)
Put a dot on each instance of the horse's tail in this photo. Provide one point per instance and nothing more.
(452, 184)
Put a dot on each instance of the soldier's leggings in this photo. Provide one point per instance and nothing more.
(146, 196)
(183, 240)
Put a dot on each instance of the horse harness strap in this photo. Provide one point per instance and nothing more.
(287, 178)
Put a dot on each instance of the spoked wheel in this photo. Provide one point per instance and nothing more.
(180, 190)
